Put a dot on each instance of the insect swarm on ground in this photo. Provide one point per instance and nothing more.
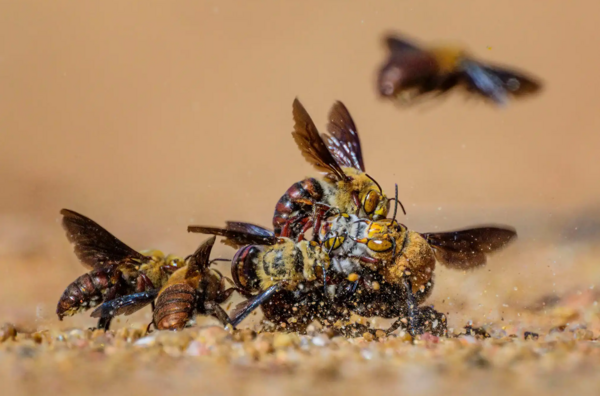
(346, 187)
(411, 72)
(117, 269)
(273, 272)
(193, 289)
(395, 266)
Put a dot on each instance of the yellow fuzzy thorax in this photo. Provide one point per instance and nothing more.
(417, 261)
(448, 57)
(180, 276)
(153, 268)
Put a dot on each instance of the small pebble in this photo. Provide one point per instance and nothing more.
(7, 331)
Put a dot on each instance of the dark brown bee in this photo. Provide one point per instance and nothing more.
(275, 273)
(117, 269)
(192, 289)
(411, 72)
(345, 187)
(395, 266)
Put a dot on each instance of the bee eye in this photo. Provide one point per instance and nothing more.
(334, 243)
(370, 202)
(379, 245)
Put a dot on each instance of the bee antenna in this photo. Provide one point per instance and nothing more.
(396, 205)
(218, 259)
(397, 202)
(375, 181)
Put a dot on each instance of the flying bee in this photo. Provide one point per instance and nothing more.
(193, 289)
(273, 272)
(117, 269)
(411, 72)
(346, 186)
(398, 264)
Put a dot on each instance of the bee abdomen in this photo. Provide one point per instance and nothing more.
(243, 269)
(308, 189)
(175, 307)
(83, 293)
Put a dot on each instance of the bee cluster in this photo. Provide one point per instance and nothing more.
(334, 252)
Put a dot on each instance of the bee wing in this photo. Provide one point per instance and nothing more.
(125, 305)
(200, 259)
(466, 249)
(515, 83)
(477, 78)
(238, 237)
(94, 246)
(311, 144)
(249, 228)
(342, 140)
(398, 46)
(244, 308)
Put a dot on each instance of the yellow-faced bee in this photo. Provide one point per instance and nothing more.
(398, 264)
(117, 269)
(411, 72)
(273, 272)
(192, 289)
(345, 187)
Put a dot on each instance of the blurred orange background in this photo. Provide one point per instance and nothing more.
(149, 116)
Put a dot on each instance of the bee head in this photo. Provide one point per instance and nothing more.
(374, 202)
(173, 263)
(243, 269)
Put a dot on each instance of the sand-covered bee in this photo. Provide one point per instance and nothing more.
(411, 72)
(117, 269)
(394, 266)
(345, 187)
(194, 289)
(276, 273)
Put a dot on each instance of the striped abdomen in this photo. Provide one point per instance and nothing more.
(85, 292)
(175, 307)
(297, 200)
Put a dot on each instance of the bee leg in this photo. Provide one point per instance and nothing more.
(413, 311)
(320, 211)
(309, 223)
(219, 313)
(111, 294)
(356, 201)
(370, 262)
(325, 283)
(104, 323)
(287, 227)
(143, 283)
(412, 307)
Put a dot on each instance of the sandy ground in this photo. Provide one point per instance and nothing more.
(543, 288)
(149, 117)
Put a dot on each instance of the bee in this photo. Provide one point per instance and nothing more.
(273, 272)
(193, 289)
(116, 269)
(411, 72)
(345, 187)
(395, 265)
